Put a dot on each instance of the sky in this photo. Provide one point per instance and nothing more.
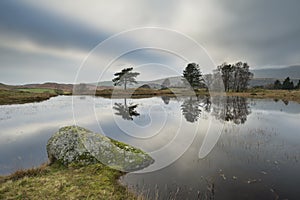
(88, 41)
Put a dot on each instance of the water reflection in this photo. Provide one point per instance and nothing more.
(236, 110)
(126, 111)
(286, 102)
(191, 109)
(166, 99)
(250, 161)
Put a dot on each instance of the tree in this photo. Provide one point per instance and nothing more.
(208, 79)
(277, 84)
(192, 75)
(226, 71)
(298, 85)
(245, 77)
(287, 84)
(166, 84)
(235, 77)
(126, 76)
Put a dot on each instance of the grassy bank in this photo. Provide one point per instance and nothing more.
(147, 92)
(14, 96)
(59, 182)
(284, 95)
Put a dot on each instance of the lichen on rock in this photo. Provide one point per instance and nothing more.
(74, 144)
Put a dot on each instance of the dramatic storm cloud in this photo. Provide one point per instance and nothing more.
(48, 40)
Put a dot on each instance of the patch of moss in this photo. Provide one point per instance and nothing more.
(126, 147)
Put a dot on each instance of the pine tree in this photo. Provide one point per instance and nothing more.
(277, 84)
(287, 84)
(193, 76)
(126, 76)
(298, 85)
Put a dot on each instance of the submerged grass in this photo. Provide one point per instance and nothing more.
(56, 181)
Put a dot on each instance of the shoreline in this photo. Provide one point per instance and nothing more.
(10, 97)
(284, 95)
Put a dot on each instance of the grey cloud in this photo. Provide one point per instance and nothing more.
(22, 21)
(261, 32)
(266, 31)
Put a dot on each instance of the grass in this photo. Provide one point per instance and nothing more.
(56, 181)
(38, 90)
(285, 95)
(147, 92)
(13, 96)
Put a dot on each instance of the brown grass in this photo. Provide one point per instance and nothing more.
(20, 97)
(146, 92)
(285, 95)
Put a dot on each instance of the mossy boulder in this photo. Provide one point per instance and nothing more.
(73, 144)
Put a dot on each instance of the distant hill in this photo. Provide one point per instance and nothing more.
(278, 73)
(262, 77)
(267, 81)
(59, 86)
(174, 81)
(4, 87)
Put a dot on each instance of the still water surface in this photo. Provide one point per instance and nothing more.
(256, 157)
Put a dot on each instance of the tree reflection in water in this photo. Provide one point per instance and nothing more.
(166, 99)
(235, 109)
(192, 107)
(125, 111)
(231, 109)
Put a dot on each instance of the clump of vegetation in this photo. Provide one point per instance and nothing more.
(56, 181)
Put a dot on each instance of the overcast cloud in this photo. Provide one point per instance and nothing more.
(48, 40)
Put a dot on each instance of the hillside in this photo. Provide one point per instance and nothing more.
(278, 73)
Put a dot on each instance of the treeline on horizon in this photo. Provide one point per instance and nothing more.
(287, 84)
(234, 78)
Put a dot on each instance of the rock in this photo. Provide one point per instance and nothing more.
(73, 144)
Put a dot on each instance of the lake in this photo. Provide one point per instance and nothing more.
(253, 144)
